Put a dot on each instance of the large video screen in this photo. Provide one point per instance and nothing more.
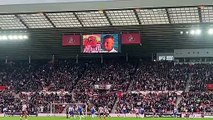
(100, 43)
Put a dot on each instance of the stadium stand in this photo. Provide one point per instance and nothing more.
(196, 102)
(91, 57)
(158, 76)
(76, 83)
(152, 102)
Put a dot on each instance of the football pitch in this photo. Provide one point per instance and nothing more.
(89, 118)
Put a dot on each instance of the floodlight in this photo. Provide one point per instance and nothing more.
(15, 37)
(25, 37)
(10, 37)
(198, 32)
(210, 31)
(192, 32)
(4, 37)
(20, 37)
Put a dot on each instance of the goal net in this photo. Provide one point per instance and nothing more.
(62, 108)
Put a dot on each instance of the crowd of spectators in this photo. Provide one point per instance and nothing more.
(196, 102)
(21, 76)
(41, 102)
(78, 80)
(160, 76)
(200, 75)
(151, 102)
(116, 74)
(9, 100)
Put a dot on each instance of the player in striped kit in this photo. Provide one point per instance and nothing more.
(101, 112)
(24, 111)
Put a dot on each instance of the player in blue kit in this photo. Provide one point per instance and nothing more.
(124, 111)
(71, 111)
(175, 111)
(80, 111)
(142, 111)
(93, 112)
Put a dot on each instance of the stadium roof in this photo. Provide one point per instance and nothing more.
(23, 6)
(104, 14)
(160, 23)
(103, 18)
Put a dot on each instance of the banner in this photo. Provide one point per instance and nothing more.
(119, 94)
(194, 115)
(147, 115)
(102, 87)
(210, 86)
(157, 92)
(131, 38)
(71, 40)
(3, 88)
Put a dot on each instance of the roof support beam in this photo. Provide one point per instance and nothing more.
(167, 13)
(49, 20)
(107, 18)
(22, 21)
(136, 14)
(78, 19)
(200, 15)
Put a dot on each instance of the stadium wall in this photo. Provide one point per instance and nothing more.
(43, 43)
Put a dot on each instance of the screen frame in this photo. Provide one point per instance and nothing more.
(119, 43)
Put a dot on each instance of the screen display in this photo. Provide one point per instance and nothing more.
(100, 43)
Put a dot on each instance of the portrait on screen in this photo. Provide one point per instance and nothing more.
(100, 43)
(92, 43)
(109, 43)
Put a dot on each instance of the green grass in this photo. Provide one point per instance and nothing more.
(89, 118)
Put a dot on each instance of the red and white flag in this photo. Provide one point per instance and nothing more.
(71, 40)
(131, 38)
(2, 88)
(210, 86)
